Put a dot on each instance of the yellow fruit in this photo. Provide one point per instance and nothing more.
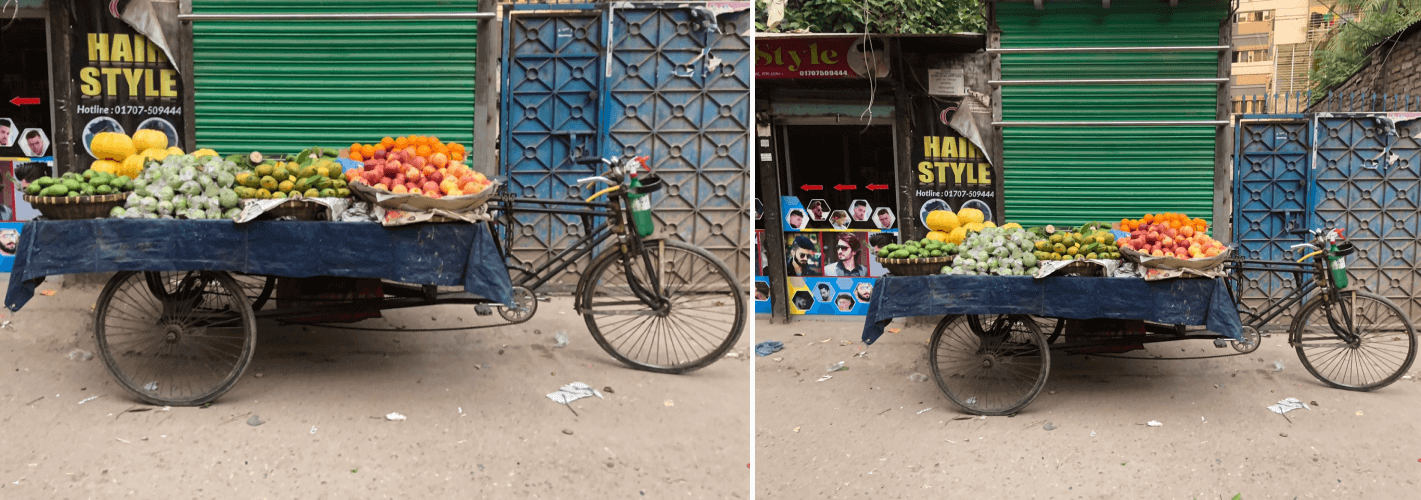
(286, 186)
(989, 224)
(957, 235)
(968, 215)
(268, 182)
(975, 226)
(265, 169)
(174, 150)
(155, 153)
(312, 193)
(112, 146)
(1012, 225)
(150, 139)
(132, 166)
(938, 235)
(105, 166)
(263, 194)
(204, 152)
(244, 179)
(942, 220)
(323, 171)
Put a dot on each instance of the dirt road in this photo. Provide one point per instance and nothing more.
(479, 424)
(870, 432)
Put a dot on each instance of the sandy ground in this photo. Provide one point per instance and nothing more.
(479, 424)
(870, 432)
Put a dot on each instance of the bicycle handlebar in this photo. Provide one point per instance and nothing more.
(596, 178)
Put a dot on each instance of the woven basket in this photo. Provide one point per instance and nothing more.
(77, 207)
(916, 267)
(299, 209)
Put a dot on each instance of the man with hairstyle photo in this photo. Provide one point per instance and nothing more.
(884, 218)
(825, 293)
(35, 145)
(803, 257)
(796, 219)
(845, 302)
(859, 210)
(864, 291)
(847, 248)
(7, 133)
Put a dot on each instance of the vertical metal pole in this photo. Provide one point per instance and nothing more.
(773, 241)
(908, 223)
(63, 95)
(994, 61)
(483, 153)
(1223, 175)
(185, 67)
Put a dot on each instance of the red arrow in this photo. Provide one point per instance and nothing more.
(876, 187)
(845, 187)
(21, 101)
(812, 187)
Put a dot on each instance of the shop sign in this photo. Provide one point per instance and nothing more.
(123, 81)
(949, 172)
(830, 57)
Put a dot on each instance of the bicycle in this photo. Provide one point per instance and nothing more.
(1347, 338)
(683, 295)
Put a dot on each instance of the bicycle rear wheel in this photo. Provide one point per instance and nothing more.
(1382, 349)
(701, 317)
(994, 368)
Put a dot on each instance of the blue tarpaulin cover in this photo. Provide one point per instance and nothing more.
(1173, 302)
(428, 254)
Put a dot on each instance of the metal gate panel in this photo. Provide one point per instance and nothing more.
(552, 99)
(1367, 184)
(682, 97)
(1271, 186)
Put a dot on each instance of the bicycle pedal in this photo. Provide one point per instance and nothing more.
(483, 309)
(1221, 343)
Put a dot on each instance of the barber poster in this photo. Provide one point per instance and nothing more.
(949, 172)
(124, 82)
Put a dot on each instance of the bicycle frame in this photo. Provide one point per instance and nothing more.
(614, 224)
(1319, 277)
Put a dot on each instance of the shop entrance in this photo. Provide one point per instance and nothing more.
(843, 174)
(839, 205)
(26, 133)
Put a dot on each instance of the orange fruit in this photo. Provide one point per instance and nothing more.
(387, 142)
(401, 143)
(456, 156)
(356, 156)
(367, 150)
(354, 146)
(440, 148)
(423, 151)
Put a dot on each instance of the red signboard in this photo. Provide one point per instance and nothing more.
(816, 57)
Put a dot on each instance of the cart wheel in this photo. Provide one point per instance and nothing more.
(258, 288)
(175, 339)
(1251, 340)
(1361, 342)
(701, 315)
(525, 299)
(995, 372)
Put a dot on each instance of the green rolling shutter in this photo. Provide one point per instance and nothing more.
(1073, 175)
(283, 86)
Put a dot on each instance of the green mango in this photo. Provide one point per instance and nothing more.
(892, 247)
(884, 252)
(33, 189)
(45, 181)
(55, 190)
(103, 189)
(898, 254)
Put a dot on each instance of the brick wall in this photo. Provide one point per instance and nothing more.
(1394, 69)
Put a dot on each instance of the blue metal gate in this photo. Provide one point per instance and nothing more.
(666, 89)
(1358, 172)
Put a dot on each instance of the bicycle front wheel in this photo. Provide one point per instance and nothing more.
(700, 315)
(1361, 343)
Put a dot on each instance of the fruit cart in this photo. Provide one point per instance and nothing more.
(177, 324)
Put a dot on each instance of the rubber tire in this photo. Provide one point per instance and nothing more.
(1295, 336)
(245, 359)
(604, 262)
(263, 295)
